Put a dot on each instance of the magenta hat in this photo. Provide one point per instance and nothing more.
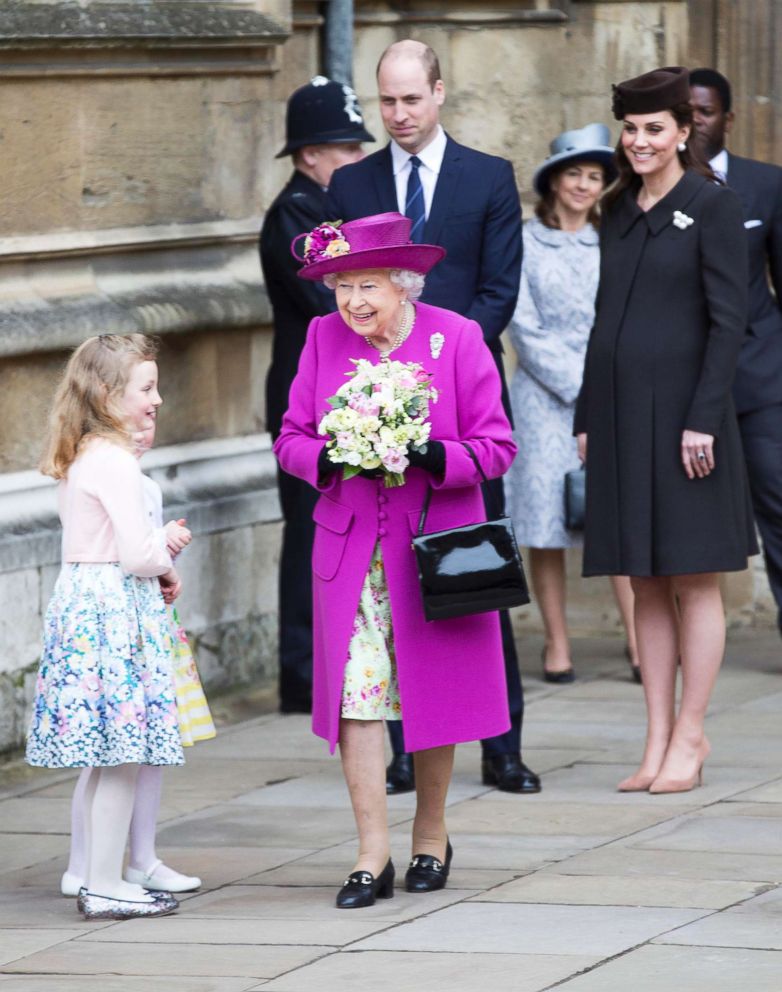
(381, 241)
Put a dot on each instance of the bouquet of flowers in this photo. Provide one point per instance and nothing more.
(377, 416)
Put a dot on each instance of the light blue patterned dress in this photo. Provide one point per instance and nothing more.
(105, 693)
(549, 330)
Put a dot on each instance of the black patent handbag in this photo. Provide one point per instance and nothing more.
(476, 568)
(575, 499)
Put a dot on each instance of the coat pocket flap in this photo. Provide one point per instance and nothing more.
(333, 516)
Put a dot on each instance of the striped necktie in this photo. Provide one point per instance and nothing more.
(414, 201)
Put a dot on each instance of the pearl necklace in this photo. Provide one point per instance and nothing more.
(403, 331)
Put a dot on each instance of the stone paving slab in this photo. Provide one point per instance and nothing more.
(579, 888)
(242, 902)
(620, 890)
(596, 783)
(540, 929)
(19, 851)
(248, 826)
(117, 983)
(379, 971)
(659, 968)
(726, 834)
(241, 960)
(32, 814)
(337, 930)
(621, 859)
(16, 943)
(499, 814)
(771, 792)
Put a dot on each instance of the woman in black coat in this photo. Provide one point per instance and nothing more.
(667, 496)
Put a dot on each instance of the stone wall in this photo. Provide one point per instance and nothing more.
(137, 153)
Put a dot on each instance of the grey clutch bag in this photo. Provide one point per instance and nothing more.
(575, 499)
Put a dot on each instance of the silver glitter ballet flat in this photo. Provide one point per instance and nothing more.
(96, 907)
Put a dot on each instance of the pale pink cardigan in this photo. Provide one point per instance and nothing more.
(101, 503)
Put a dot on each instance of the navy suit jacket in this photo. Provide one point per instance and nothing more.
(475, 216)
(758, 380)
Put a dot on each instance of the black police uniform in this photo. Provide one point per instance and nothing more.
(322, 112)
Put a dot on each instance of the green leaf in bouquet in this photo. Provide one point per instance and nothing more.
(336, 402)
(349, 471)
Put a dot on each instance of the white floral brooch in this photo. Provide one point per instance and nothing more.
(436, 342)
(681, 220)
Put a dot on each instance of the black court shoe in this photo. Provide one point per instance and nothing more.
(361, 888)
(427, 873)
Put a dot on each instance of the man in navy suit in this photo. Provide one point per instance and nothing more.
(467, 202)
(757, 388)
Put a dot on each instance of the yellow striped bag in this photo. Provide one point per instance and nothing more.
(195, 720)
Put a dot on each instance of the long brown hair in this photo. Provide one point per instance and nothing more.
(546, 207)
(86, 404)
(691, 158)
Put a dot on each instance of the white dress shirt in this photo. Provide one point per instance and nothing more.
(431, 163)
(719, 165)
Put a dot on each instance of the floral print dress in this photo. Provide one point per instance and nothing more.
(370, 690)
(104, 694)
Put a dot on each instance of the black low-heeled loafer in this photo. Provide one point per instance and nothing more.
(427, 873)
(361, 888)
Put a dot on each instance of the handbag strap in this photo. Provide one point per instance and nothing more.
(428, 499)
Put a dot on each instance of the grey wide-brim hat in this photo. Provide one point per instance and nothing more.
(590, 143)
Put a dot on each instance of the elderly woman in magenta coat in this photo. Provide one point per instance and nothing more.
(375, 656)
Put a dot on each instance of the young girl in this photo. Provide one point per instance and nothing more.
(105, 696)
(195, 724)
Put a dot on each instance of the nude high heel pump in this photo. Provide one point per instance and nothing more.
(669, 785)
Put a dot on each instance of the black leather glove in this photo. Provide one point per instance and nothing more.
(326, 467)
(431, 458)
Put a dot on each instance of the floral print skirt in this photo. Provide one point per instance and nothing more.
(105, 694)
(370, 690)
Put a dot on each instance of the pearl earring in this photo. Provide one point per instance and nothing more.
(682, 147)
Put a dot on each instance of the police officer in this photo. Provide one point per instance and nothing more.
(324, 129)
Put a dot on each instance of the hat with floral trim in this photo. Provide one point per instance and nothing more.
(380, 241)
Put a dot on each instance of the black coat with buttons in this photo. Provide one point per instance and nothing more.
(670, 318)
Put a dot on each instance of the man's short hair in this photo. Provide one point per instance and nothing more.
(716, 81)
(429, 60)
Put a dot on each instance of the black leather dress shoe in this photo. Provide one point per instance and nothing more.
(296, 705)
(361, 888)
(400, 776)
(427, 873)
(509, 774)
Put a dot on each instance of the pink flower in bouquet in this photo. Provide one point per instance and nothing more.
(363, 405)
(422, 376)
(395, 461)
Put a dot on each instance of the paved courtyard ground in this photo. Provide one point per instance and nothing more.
(580, 889)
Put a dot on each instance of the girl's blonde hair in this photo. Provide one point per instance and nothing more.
(86, 403)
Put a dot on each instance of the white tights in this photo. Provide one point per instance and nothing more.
(108, 805)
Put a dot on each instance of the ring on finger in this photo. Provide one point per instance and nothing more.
(701, 456)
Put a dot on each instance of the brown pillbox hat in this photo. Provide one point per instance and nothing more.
(660, 89)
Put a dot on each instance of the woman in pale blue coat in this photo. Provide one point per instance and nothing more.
(549, 331)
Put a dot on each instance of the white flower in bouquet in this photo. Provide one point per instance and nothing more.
(377, 416)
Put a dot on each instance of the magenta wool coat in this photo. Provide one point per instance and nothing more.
(451, 672)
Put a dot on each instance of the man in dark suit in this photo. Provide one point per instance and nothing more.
(324, 130)
(757, 388)
(467, 202)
